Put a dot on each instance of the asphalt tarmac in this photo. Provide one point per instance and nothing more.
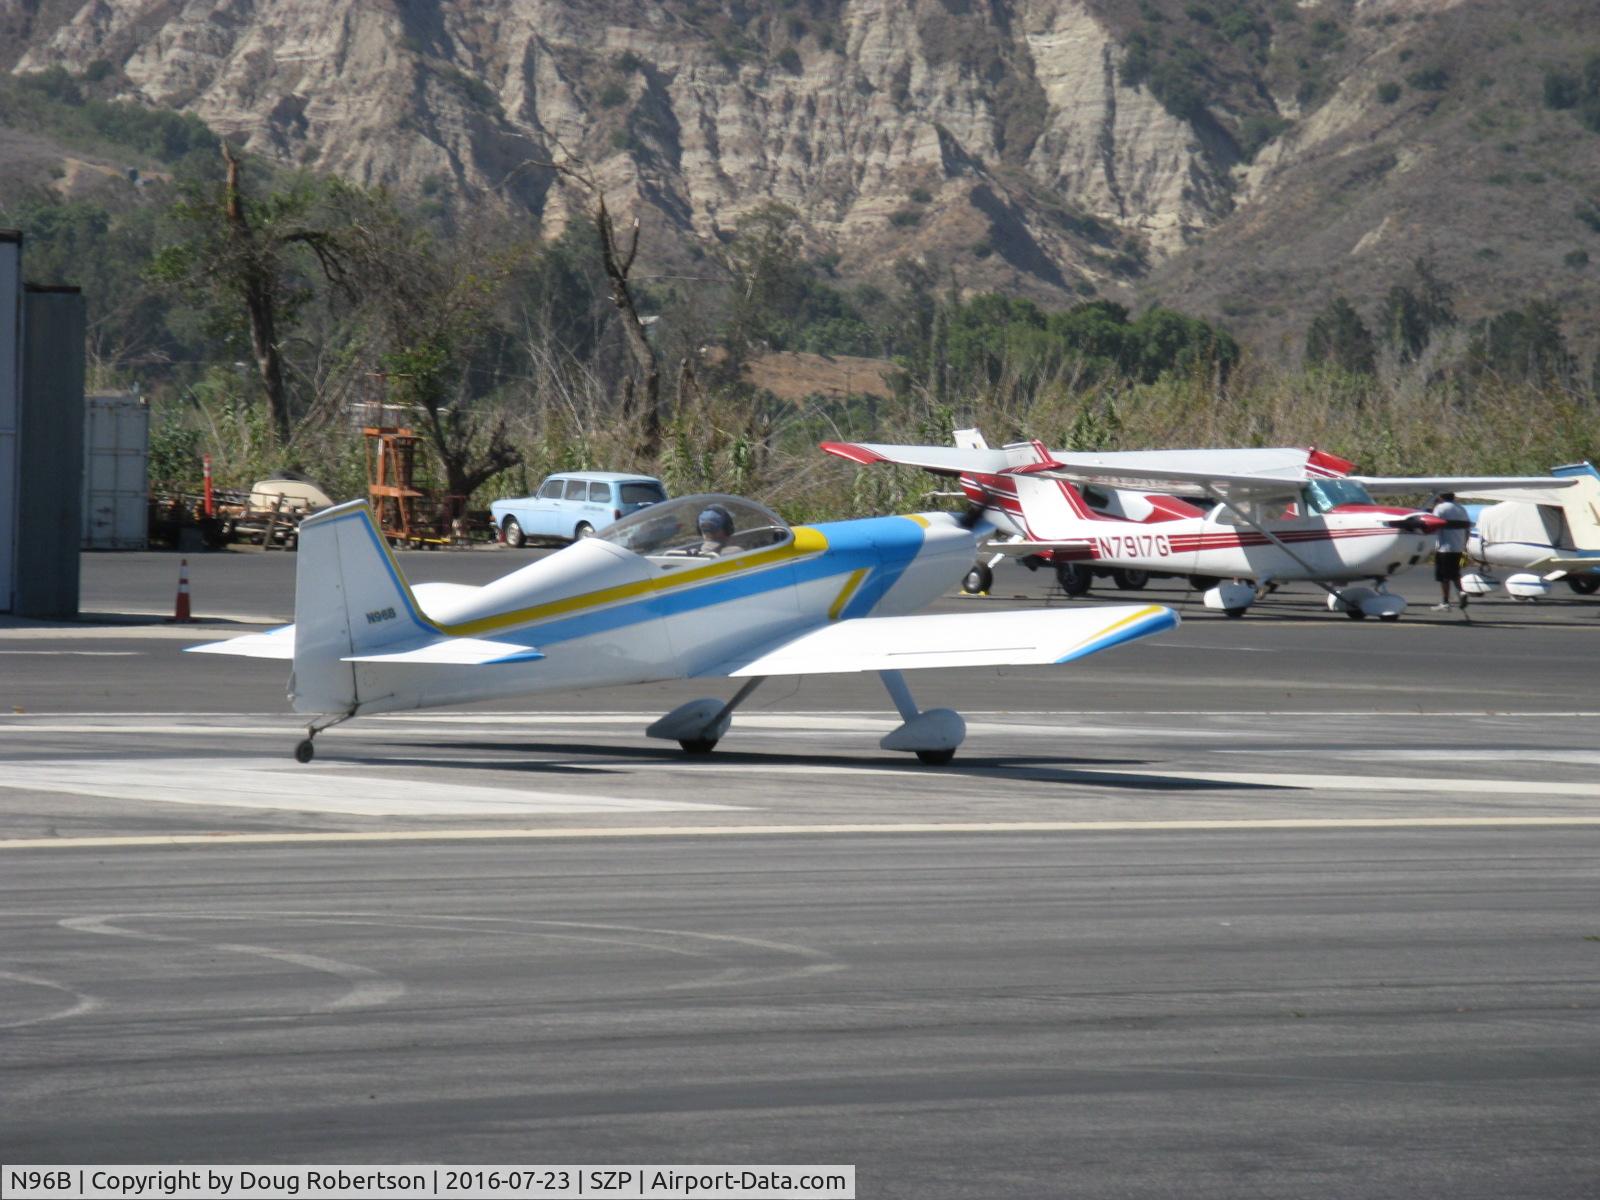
(1290, 905)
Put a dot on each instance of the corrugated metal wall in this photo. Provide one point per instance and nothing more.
(10, 364)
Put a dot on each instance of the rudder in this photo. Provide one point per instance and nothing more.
(349, 598)
(1581, 504)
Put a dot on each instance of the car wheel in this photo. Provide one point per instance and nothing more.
(1584, 585)
(977, 580)
(584, 530)
(1075, 580)
(1130, 579)
(514, 534)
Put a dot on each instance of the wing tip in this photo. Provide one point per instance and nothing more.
(854, 451)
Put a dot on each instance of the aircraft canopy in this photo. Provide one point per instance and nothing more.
(707, 525)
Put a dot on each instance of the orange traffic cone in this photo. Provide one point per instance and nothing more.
(180, 609)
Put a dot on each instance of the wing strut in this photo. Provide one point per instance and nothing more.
(1275, 540)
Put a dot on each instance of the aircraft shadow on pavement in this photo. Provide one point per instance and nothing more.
(566, 759)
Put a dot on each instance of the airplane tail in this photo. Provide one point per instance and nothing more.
(1581, 504)
(349, 599)
(1049, 508)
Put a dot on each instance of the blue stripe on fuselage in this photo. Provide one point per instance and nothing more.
(885, 544)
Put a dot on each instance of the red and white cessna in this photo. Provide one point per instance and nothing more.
(1259, 517)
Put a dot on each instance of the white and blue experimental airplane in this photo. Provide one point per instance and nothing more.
(700, 587)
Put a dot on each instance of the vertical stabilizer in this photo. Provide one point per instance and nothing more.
(1052, 510)
(1581, 504)
(349, 598)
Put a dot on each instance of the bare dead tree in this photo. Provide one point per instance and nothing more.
(641, 412)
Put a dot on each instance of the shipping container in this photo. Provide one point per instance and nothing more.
(116, 448)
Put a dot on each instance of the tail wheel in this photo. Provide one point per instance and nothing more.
(1073, 578)
(1130, 579)
(584, 530)
(978, 580)
(1584, 585)
(514, 534)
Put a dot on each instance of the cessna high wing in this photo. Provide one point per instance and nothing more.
(1254, 518)
(701, 587)
(1532, 538)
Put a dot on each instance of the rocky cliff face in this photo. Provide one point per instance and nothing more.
(1011, 119)
(1057, 146)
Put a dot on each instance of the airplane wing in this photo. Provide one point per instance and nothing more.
(941, 460)
(1169, 480)
(952, 640)
(1154, 471)
(1532, 489)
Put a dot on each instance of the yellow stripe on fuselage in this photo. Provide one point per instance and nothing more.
(848, 590)
(807, 541)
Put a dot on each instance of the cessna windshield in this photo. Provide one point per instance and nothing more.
(703, 526)
(1325, 495)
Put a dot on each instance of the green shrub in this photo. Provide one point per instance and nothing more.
(1577, 259)
(1560, 90)
(629, 63)
(904, 217)
(612, 95)
(1429, 79)
(789, 60)
(921, 195)
(1388, 92)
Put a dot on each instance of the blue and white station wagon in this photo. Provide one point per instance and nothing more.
(573, 505)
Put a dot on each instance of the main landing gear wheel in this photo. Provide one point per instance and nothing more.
(1235, 613)
(1388, 616)
(1074, 579)
(1355, 614)
(1203, 583)
(978, 580)
(514, 535)
(305, 751)
(935, 758)
(698, 745)
(1130, 579)
(1584, 585)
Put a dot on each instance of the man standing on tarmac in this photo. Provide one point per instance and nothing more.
(1452, 541)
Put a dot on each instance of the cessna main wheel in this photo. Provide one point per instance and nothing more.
(1584, 585)
(1074, 579)
(935, 758)
(1130, 579)
(698, 745)
(978, 580)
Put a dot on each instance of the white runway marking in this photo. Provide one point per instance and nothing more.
(278, 783)
(73, 653)
(694, 831)
(368, 988)
(82, 1003)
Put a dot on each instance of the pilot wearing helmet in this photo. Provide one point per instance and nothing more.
(716, 531)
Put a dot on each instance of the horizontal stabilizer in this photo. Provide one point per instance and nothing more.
(1022, 547)
(450, 651)
(1570, 564)
(953, 640)
(277, 643)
